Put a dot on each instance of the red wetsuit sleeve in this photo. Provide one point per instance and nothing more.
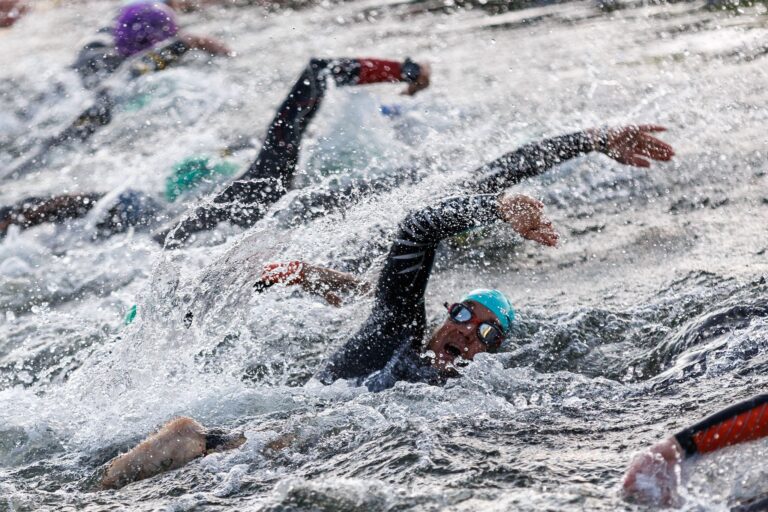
(374, 70)
(740, 423)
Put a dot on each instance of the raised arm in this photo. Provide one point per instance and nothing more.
(627, 145)
(246, 201)
(653, 475)
(398, 312)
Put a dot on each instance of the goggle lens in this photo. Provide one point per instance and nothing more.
(460, 313)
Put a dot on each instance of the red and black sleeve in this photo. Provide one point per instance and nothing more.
(740, 423)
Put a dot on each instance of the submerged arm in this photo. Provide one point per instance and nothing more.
(34, 211)
(177, 443)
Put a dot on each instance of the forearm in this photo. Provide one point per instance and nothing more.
(531, 160)
(34, 211)
(740, 423)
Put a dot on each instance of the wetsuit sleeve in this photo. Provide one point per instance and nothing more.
(528, 161)
(37, 210)
(403, 280)
(246, 200)
(398, 314)
(740, 423)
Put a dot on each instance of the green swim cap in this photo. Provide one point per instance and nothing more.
(188, 173)
(495, 301)
(130, 316)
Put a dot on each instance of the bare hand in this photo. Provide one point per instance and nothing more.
(629, 144)
(653, 476)
(526, 215)
(289, 273)
(422, 82)
(11, 11)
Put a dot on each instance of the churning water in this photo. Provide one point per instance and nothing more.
(651, 314)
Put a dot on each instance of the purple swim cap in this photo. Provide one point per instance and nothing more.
(142, 25)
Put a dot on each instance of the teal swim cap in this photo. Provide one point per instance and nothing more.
(495, 301)
(189, 173)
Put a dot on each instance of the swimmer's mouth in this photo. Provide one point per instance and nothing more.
(452, 350)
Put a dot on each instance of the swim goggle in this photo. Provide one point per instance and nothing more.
(488, 333)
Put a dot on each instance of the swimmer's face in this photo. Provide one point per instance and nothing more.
(454, 343)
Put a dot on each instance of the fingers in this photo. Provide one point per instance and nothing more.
(545, 236)
(289, 273)
(652, 147)
(651, 128)
(637, 161)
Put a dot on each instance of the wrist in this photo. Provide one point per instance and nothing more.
(599, 139)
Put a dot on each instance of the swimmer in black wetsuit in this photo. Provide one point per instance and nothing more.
(277, 159)
(269, 177)
(654, 475)
(390, 346)
(139, 27)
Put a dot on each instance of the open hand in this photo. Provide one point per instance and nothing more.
(421, 83)
(632, 145)
(526, 215)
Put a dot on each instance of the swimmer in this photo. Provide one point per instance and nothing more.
(246, 200)
(654, 475)
(391, 345)
(142, 211)
(140, 27)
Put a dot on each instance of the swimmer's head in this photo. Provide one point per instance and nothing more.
(140, 26)
(478, 323)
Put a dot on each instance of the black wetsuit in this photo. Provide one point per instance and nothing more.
(129, 209)
(388, 346)
(269, 177)
(386, 349)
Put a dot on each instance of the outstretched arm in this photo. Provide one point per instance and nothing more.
(628, 145)
(398, 312)
(653, 476)
(327, 283)
(36, 210)
(246, 201)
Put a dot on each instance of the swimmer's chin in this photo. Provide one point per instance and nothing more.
(445, 369)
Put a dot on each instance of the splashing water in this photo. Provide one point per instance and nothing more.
(650, 315)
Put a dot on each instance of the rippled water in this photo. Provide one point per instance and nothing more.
(651, 313)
